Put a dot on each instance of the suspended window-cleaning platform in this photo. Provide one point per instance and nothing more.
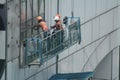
(73, 76)
(39, 49)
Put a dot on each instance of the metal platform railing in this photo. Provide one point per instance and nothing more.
(39, 49)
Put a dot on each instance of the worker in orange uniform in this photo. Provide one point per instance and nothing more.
(43, 25)
(45, 29)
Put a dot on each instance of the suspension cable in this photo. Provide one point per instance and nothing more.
(38, 6)
(72, 8)
(33, 12)
(58, 6)
(44, 10)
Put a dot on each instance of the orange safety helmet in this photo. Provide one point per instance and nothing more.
(39, 18)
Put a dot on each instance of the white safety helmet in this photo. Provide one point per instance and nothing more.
(57, 17)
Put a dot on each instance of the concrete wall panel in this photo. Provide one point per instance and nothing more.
(51, 61)
(115, 16)
(64, 66)
(51, 71)
(113, 40)
(72, 49)
(96, 29)
(106, 23)
(78, 61)
(103, 48)
(79, 9)
(86, 33)
(63, 54)
(65, 7)
(40, 76)
(89, 50)
(90, 9)
(29, 71)
(101, 6)
(118, 18)
(115, 67)
(112, 3)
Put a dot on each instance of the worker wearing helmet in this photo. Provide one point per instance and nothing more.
(42, 23)
(44, 27)
(58, 23)
(57, 27)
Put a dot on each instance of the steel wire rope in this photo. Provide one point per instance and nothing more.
(33, 12)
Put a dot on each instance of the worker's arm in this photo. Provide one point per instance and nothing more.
(44, 26)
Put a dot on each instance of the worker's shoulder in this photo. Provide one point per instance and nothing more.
(42, 22)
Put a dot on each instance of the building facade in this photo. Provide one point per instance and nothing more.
(100, 41)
